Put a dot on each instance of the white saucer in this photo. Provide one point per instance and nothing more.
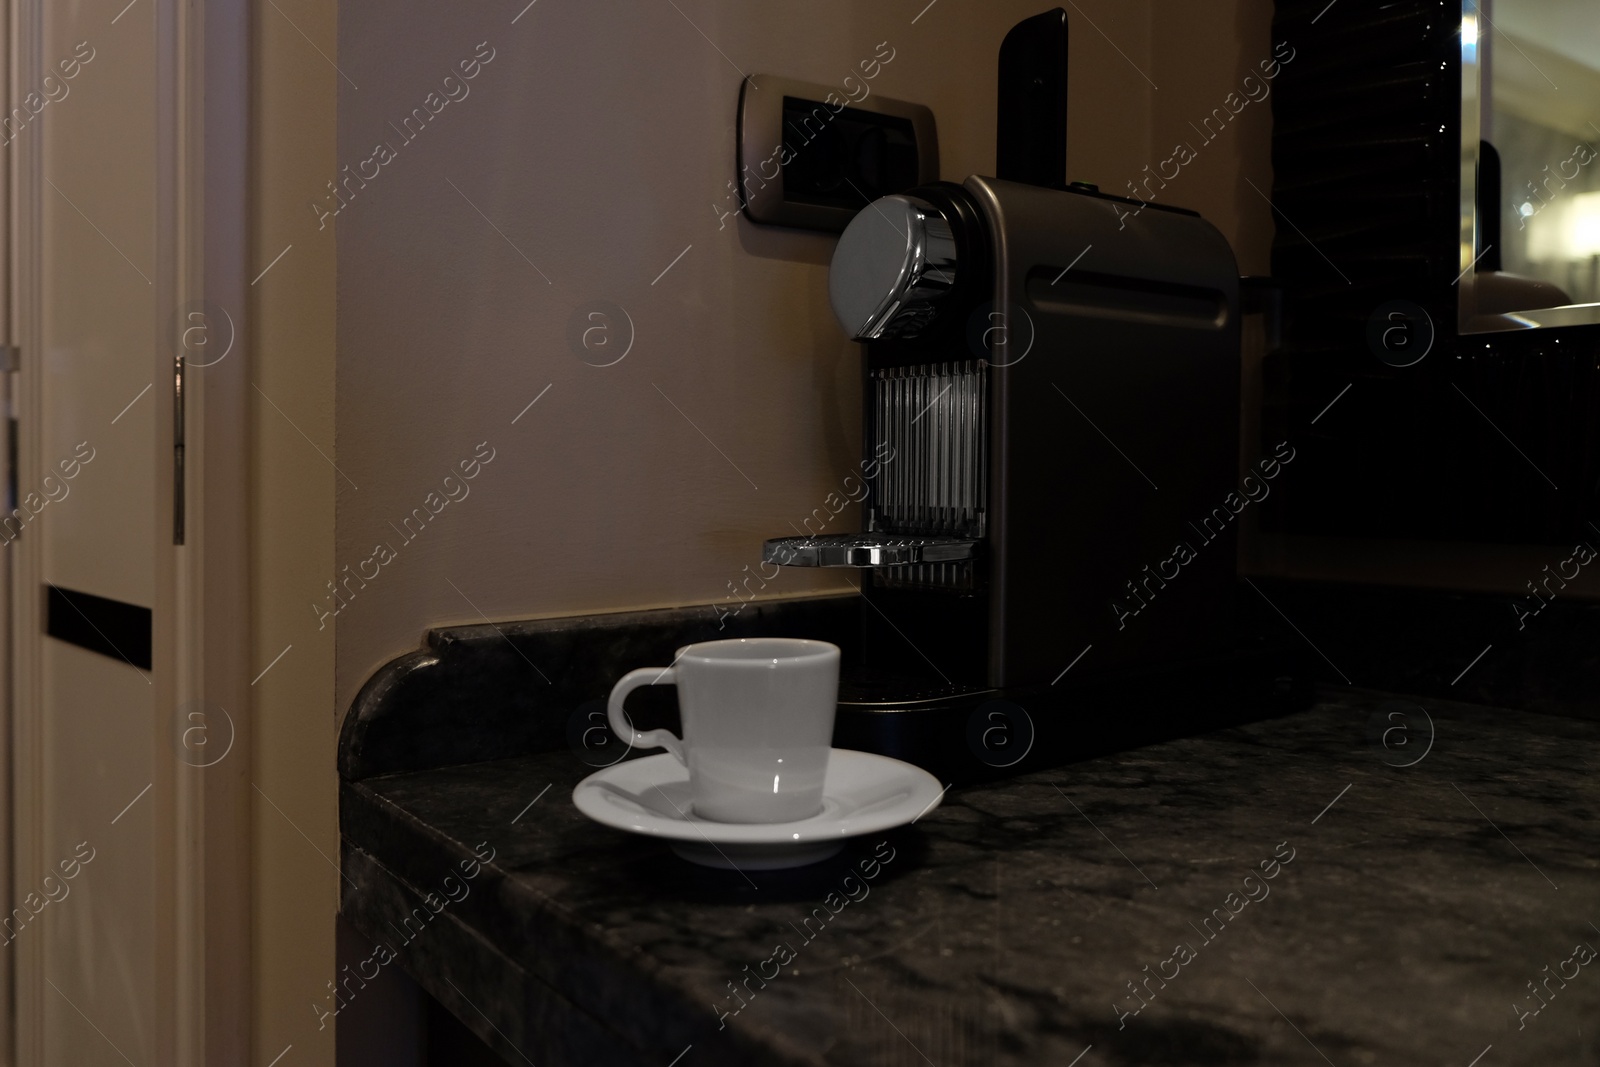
(862, 794)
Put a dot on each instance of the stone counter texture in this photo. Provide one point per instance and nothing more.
(1278, 893)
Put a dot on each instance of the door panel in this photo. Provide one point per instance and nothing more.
(94, 975)
(98, 941)
(98, 309)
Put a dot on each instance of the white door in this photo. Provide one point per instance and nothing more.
(126, 135)
(95, 448)
(92, 535)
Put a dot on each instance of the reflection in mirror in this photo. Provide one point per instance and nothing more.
(1539, 75)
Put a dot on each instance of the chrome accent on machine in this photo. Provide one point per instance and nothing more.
(930, 420)
(893, 263)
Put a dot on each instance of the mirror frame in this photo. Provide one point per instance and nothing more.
(1468, 321)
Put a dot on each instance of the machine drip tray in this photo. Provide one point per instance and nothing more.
(867, 550)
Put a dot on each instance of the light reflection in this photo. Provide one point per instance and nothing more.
(1568, 230)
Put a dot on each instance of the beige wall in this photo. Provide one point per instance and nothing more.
(597, 142)
(290, 342)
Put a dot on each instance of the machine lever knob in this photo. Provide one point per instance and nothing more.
(893, 264)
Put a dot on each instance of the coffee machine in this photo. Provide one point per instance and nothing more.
(1050, 430)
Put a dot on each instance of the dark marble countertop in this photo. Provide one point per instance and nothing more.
(1408, 911)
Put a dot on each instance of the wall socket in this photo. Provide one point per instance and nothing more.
(811, 157)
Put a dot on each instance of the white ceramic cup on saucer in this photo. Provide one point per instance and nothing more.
(757, 724)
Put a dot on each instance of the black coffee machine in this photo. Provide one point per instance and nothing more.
(1051, 428)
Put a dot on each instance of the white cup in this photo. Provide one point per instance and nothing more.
(757, 724)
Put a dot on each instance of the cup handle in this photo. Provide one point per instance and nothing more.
(624, 729)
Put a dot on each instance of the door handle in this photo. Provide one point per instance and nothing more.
(177, 448)
(10, 363)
